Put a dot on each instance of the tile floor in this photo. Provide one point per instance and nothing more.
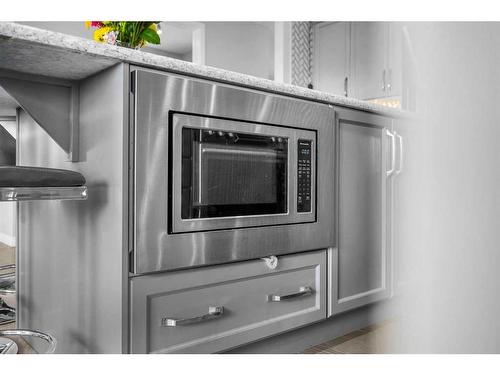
(7, 254)
(374, 339)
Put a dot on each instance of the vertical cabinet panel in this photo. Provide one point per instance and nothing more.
(361, 262)
(404, 223)
(369, 57)
(361, 184)
(332, 57)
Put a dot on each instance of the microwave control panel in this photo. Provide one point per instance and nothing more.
(304, 176)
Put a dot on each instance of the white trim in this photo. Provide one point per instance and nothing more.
(283, 52)
(8, 240)
(198, 45)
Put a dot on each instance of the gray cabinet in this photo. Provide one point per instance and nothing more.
(213, 309)
(360, 265)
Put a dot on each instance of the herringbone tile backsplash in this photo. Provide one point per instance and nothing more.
(301, 53)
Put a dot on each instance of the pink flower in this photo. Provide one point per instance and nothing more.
(96, 24)
(110, 37)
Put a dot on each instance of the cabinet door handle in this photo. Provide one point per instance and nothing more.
(214, 312)
(346, 85)
(393, 152)
(389, 80)
(400, 167)
(303, 291)
(383, 80)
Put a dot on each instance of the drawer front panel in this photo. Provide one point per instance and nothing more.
(217, 308)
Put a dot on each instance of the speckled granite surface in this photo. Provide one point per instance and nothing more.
(31, 50)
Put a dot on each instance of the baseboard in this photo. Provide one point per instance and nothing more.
(8, 240)
(298, 340)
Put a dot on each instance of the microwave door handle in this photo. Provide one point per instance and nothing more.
(217, 150)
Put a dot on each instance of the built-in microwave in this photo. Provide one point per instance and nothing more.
(222, 173)
(228, 174)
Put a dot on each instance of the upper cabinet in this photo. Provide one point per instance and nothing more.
(358, 59)
(332, 57)
(369, 42)
(394, 60)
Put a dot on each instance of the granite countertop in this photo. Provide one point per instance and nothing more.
(41, 52)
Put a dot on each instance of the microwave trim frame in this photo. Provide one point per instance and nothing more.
(153, 93)
(293, 217)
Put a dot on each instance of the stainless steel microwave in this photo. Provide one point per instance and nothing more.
(223, 173)
(228, 174)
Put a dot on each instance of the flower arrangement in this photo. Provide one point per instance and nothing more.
(125, 33)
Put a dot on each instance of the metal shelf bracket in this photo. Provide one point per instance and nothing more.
(52, 103)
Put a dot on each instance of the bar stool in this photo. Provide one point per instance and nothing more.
(28, 184)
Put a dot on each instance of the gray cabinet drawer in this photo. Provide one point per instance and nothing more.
(170, 312)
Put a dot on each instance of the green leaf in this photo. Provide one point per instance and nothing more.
(150, 36)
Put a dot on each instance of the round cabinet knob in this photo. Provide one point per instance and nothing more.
(271, 262)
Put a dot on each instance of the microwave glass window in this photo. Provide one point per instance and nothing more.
(228, 174)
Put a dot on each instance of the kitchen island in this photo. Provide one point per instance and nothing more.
(74, 258)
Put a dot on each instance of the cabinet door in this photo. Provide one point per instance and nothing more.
(331, 57)
(361, 263)
(369, 41)
(394, 59)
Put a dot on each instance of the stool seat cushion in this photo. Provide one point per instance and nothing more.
(39, 177)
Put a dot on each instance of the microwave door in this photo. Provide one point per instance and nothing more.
(234, 182)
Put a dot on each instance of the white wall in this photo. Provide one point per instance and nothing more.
(8, 209)
(10, 126)
(8, 223)
(244, 47)
(454, 200)
(78, 29)
(70, 28)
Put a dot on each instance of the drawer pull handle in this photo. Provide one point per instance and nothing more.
(303, 291)
(214, 312)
